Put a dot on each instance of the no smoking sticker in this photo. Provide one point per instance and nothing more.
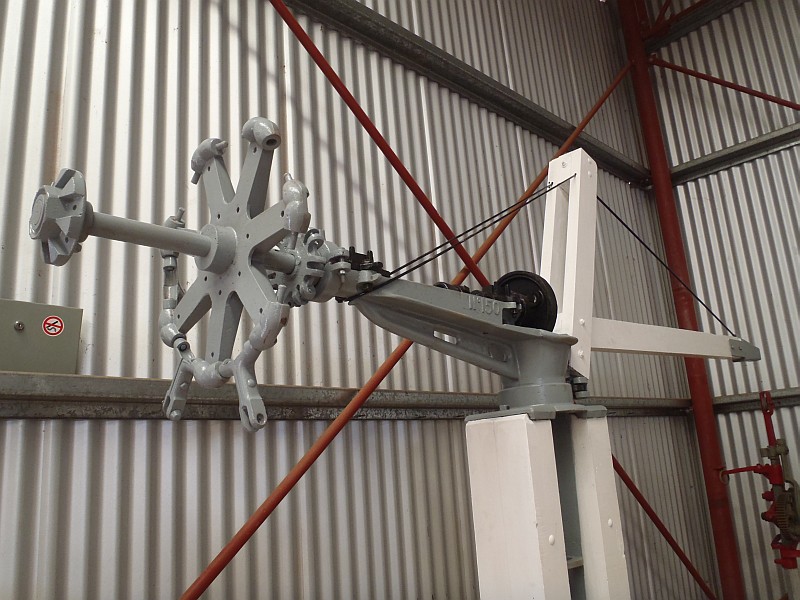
(53, 325)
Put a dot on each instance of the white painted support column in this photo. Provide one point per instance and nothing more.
(516, 509)
(605, 569)
(568, 249)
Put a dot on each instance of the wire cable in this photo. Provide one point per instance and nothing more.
(485, 224)
(665, 265)
(446, 246)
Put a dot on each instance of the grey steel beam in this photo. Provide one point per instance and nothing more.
(49, 396)
(46, 396)
(353, 19)
(737, 154)
(692, 21)
(751, 403)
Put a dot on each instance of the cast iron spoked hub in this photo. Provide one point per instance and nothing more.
(240, 226)
(538, 305)
(250, 246)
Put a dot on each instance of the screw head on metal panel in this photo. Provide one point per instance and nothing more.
(175, 415)
(19, 325)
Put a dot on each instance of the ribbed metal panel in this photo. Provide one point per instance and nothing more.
(135, 509)
(122, 509)
(742, 434)
(741, 230)
(125, 92)
(561, 55)
(753, 45)
(661, 456)
(675, 6)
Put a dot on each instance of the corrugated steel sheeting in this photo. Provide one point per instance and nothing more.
(675, 6)
(753, 45)
(135, 509)
(741, 224)
(124, 92)
(561, 55)
(742, 434)
(126, 509)
(660, 454)
(741, 229)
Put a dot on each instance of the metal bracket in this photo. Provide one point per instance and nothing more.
(532, 362)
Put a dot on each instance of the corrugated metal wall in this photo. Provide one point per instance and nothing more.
(561, 55)
(742, 227)
(754, 45)
(742, 434)
(124, 509)
(135, 509)
(741, 224)
(124, 92)
(660, 454)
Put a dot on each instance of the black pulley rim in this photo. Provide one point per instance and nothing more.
(539, 307)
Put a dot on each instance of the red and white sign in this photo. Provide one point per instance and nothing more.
(53, 325)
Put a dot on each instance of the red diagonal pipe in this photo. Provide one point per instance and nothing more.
(501, 227)
(261, 514)
(654, 60)
(662, 529)
(378, 138)
(705, 421)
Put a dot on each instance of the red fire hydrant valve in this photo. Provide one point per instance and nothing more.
(789, 553)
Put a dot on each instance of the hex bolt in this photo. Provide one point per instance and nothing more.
(19, 325)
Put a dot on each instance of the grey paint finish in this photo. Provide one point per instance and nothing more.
(128, 115)
(38, 337)
(133, 509)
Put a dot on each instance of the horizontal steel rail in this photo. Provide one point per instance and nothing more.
(50, 396)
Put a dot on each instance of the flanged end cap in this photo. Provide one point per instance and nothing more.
(263, 133)
(60, 216)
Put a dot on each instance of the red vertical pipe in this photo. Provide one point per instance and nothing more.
(705, 421)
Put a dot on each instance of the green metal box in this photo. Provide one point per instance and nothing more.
(39, 338)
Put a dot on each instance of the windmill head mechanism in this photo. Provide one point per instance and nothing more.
(250, 258)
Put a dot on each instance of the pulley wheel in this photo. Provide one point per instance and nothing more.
(539, 306)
